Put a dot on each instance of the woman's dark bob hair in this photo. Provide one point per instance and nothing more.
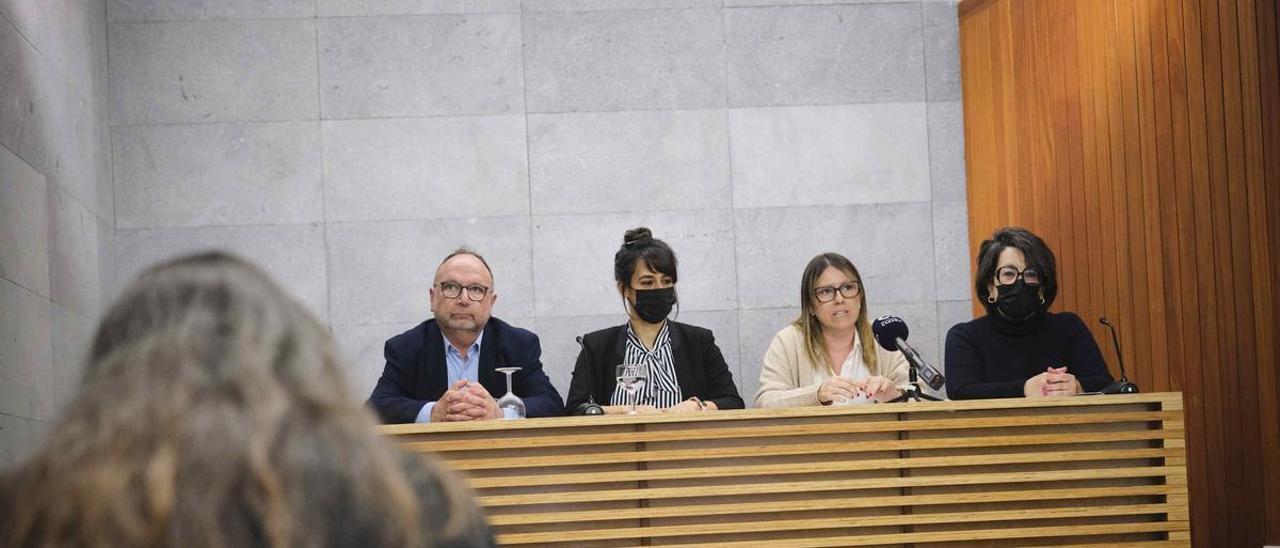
(1038, 255)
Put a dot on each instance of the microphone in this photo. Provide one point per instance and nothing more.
(891, 333)
(1122, 386)
(590, 407)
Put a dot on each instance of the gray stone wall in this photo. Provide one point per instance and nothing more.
(56, 216)
(347, 145)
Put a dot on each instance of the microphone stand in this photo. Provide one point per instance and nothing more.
(1121, 386)
(912, 391)
(590, 408)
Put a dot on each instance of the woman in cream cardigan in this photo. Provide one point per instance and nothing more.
(828, 355)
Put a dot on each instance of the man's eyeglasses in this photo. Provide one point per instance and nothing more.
(1009, 275)
(827, 293)
(453, 290)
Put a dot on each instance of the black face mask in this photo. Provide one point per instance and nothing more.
(1018, 303)
(653, 305)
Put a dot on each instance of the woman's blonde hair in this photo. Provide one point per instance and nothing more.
(213, 412)
(808, 324)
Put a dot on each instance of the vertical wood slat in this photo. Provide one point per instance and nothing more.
(1188, 137)
(1090, 134)
(1174, 212)
(1267, 17)
(1229, 201)
(1129, 190)
(1220, 380)
(1206, 436)
(1141, 138)
(1256, 253)
(1156, 132)
(1153, 309)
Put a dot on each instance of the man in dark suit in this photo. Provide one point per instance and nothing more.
(432, 369)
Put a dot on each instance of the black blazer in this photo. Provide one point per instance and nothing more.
(416, 372)
(700, 367)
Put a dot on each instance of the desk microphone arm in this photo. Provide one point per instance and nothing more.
(1122, 386)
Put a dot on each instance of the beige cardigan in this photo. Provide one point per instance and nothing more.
(790, 379)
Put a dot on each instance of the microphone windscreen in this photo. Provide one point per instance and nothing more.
(888, 329)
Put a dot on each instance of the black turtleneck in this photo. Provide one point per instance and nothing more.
(990, 358)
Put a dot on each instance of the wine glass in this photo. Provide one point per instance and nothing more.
(632, 377)
(512, 406)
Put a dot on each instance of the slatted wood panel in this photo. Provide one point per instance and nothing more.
(992, 473)
(1141, 138)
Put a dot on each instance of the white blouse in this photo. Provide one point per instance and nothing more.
(661, 389)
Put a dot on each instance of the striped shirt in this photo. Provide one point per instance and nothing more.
(661, 390)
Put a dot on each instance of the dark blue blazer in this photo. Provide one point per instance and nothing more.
(416, 372)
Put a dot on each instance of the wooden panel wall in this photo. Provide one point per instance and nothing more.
(1141, 139)
(1084, 471)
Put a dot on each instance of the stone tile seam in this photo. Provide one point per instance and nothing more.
(733, 204)
(522, 11)
(15, 28)
(528, 164)
(324, 204)
(30, 290)
(534, 217)
(480, 114)
(873, 304)
(32, 419)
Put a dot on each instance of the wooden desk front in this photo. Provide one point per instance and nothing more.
(1057, 471)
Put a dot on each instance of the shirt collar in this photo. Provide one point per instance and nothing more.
(473, 351)
(663, 338)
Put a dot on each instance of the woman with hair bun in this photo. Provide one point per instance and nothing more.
(687, 371)
(1019, 348)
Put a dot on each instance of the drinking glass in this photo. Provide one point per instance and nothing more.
(512, 406)
(632, 377)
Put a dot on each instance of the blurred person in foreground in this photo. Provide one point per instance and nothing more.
(213, 412)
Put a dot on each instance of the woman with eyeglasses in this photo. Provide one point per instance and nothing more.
(828, 355)
(1019, 348)
(682, 369)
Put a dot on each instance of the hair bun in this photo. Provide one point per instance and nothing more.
(637, 235)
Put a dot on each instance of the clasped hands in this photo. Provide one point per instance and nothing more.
(465, 401)
(838, 389)
(1055, 381)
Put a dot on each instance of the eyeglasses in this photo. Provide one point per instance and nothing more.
(1008, 275)
(453, 290)
(827, 293)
